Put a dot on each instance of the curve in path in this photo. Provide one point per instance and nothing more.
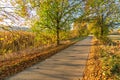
(68, 64)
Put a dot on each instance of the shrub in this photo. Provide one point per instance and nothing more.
(15, 41)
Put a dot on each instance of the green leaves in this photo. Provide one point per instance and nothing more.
(104, 13)
(56, 16)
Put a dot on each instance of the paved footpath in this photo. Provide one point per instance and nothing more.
(68, 64)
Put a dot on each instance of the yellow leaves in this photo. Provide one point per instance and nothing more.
(5, 37)
(9, 42)
(1, 39)
(15, 41)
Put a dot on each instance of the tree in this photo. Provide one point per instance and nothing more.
(52, 15)
(104, 13)
(80, 25)
(55, 15)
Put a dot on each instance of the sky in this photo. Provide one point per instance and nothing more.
(8, 15)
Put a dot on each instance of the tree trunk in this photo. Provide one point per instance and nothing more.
(57, 33)
(57, 28)
(102, 26)
(102, 31)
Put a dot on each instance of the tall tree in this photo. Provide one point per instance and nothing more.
(104, 13)
(54, 15)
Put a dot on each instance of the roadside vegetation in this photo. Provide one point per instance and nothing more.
(104, 60)
(20, 42)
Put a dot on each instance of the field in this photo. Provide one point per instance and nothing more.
(114, 37)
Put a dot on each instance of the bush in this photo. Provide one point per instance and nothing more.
(19, 40)
(15, 41)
